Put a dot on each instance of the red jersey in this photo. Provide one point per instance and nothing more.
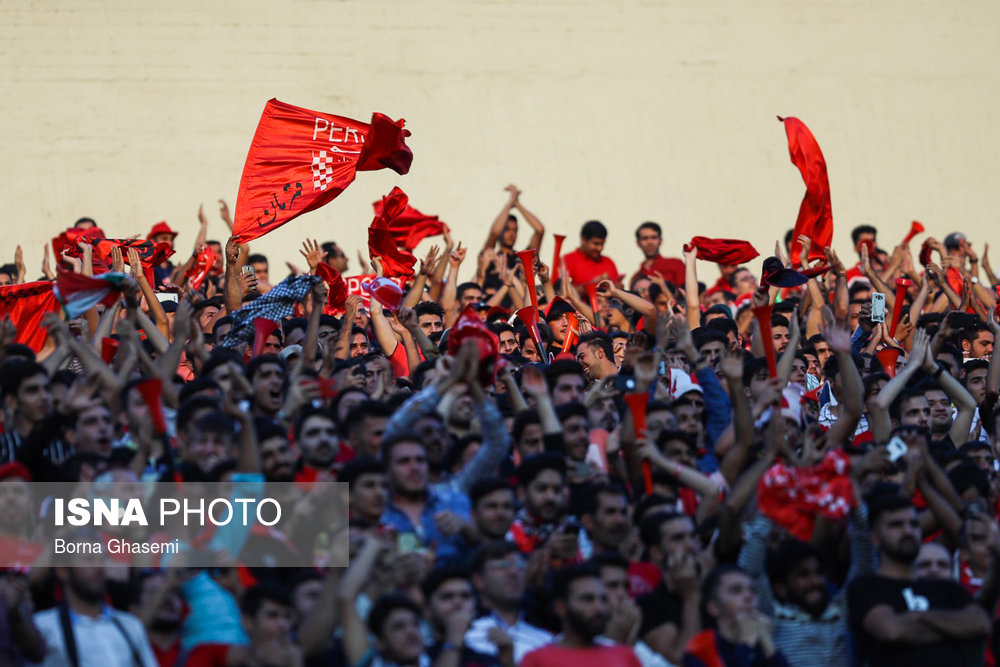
(582, 269)
(599, 655)
(670, 268)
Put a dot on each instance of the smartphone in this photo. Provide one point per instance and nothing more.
(408, 542)
(878, 307)
(624, 383)
(897, 449)
(166, 296)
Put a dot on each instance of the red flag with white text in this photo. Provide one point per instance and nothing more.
(300, 160)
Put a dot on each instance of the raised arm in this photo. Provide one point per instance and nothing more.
(852, 399)
(881, 424)
(537, 229)
(641, 306)
(234, 293)
(691, 288)
(498, 223)
(450, 297)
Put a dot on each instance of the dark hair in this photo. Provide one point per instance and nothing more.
(256, 363)
(429, 308)
(533, 466)
(967, 475)
(886, 502)
(189, 407)
(194, 387)
(703, 336)
(973, 365)
(859, 230)
(257, 258)
(710, 588)
(437, 578)
(362, 411)
(593, 230)
(564, 577)
(496, 550)
(216, 422)
(601, 340)
(652, 526)
(465, 287)
(592, 496)
(355, 468)
(385, 451)
(561, 367)
(610, 559)
(267, 429)
(522, 420)
(255, 597)
(896, 407)
(220, 356)
(787, 556)
(568, 410)
(15, 372)
(310, 411)
(485, 487)
(648, 225)
(383, 608)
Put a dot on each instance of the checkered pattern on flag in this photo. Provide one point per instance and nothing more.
(301, 159)
(276, 305)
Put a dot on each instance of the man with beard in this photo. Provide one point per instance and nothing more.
(943, 422)
(369, 492)
(318, 442)
(365, 425)
(810, 628)
(277, 460)
(493, 503)
(605, 517)
(567, 380)
(541, 482)
(83, 630)
(901, 621)
(499, 573)
(596, 353)
(581, 602)
(430, 318)
(157, 602)
(27, 399)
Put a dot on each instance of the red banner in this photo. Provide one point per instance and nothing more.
(356, 285)
(300, 160)
(26, 305)
(815, 213)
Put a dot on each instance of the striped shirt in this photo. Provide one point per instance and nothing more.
(11, 444)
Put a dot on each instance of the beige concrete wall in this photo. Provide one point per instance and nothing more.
(132, 112)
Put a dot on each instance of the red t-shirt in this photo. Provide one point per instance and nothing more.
(671, 269)
(594, 656)
(582, 269)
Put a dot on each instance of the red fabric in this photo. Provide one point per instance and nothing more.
(703, 647)
(670, 268)
(69, 283)
(410, 226)
(336, 296)
(815, 213)
(203, 264)
(69, 239)
(26, 305)
(598, 655)
(722, 251)
(398, 362)
(167, 657)
(300, 160)
(382, 242)
(792, 497)
(208, 655)
(582, 269)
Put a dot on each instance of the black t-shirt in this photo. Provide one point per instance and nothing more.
(869, 591)
(658, 607)
(468, 657)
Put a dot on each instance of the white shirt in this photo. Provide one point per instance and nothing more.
(99, 642)
(526, 637)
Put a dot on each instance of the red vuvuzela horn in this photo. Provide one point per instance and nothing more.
(527, 258)
(887, 356)
(572, 332)
(529, 316)
(555, 257)
(152, 391)
(592, 295)
(263, 328)
(763, 315)
(637, 406)
(915, 228)
(897, 307)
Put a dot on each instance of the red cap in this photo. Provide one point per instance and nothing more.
(14, 469)
(160, 228)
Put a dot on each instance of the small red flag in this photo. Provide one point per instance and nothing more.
(815, 213)
(336, 296)
(722, 251)
(382, 243)
(26, 305)
(300, 160)
(203, 264)
(411, 226)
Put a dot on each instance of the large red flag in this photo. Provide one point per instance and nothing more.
(815, 214)
(411, 226)
(300, 160)
(382, 243)
(26, 305)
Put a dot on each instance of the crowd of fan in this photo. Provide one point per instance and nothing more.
(837, 509)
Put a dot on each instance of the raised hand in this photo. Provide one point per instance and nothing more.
(232, 250)
(312, 253)
(117, 261)
(457, 256)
